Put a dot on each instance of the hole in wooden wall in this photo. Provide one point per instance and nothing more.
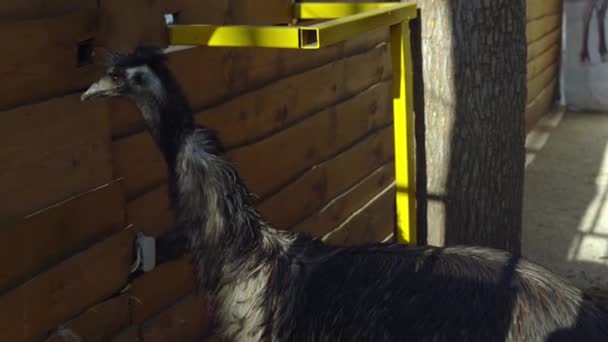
(171, 18)
(85, 52)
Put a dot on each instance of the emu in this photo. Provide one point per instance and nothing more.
(277, 286)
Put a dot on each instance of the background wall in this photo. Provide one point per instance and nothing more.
(544, 45)
(584, 87)
(310, 132)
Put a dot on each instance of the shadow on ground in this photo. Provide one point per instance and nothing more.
(565, 219)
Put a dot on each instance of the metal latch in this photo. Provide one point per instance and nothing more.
(145, 253)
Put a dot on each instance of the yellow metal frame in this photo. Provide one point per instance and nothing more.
(342, 22)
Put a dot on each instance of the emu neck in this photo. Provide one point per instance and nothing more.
(228, 237)
(169, 120)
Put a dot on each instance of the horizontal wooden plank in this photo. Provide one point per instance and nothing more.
(28, 247)
(390, 238)
(372, 223)
(545, 43)
(238, 70)
(343, 206)
(186, 321)
(52, 151)
(540, 8)
(224, 12)
(361, 159)
(157, 290)
(30, 311)
(269, 109)
(122, 31)
(139, 161)
(15, 10)
(96, 324)
(541, 105)
(298, 151)
(538, 83)
(151, 212)
(326, 180)
(538, 28)
(42, 60)
(131, 334)
(540, 63)
(125, 117)
(211, 76)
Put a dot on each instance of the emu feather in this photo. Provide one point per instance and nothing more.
(271, 285)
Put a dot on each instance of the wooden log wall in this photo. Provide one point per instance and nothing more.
(544, 45)
(310, 132)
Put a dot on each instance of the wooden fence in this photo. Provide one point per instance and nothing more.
(544, 45)
(310, 132)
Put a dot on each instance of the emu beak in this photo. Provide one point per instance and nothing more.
(103, 87)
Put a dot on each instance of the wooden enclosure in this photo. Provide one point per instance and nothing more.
(309, 131)
(544, 45)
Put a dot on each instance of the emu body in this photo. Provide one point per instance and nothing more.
(275, 286)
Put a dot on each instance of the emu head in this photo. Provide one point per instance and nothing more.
(136, 75)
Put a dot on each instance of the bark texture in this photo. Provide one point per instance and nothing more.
(474, 72)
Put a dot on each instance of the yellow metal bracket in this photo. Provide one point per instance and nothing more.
(342, 21)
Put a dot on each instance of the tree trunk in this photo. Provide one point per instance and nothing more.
(474, 72)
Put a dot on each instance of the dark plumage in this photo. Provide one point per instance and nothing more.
(270, 285)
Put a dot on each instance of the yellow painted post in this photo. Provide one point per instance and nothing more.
(403, 131)
(333, 10)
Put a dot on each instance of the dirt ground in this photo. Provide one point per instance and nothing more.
(565, 224)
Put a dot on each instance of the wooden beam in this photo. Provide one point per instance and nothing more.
(540, 105)
(346, 204)
(225, 73)
(40, 241)
(97, 323)
(332, 176)
(185, 321)
(538, 28)
(543, 44)
(156, 291)
(543, 61)
(120, 30)
(371, 223)
(151, 212)
(138, 159)
(299, 151)
(540, 8)
(267, 110)
(50, 152)
(225, 12)
(30, 311)
(340, 207)
(132, 334)
(538, 83)
(16, 10)
(42, 61)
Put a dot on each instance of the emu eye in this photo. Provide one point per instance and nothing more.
(114, 77)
